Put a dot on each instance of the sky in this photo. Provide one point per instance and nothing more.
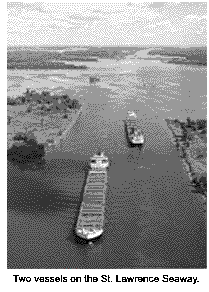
(108, 24)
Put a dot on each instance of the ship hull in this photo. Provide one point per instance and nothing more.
(90, 224)
(89, 235)
(132, 128)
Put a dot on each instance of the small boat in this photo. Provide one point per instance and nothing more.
(93, 79)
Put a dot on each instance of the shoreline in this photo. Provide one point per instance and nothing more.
(192, 148)
(42, 118)
(43, 133)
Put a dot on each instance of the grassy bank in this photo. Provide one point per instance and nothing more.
(191, 143)
(38, 118)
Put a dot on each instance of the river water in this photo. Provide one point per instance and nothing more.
(169, 90)
(152, 219)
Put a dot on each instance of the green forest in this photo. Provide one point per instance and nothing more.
(192, 55)
(46, 101)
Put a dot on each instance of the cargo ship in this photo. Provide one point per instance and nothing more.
(134, 133)
(90, 221)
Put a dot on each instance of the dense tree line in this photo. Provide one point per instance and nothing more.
(194, 55)
(26, 153)
(26, 149)
(51, 58)
(29, 58)
(190, 128)
(45, 100)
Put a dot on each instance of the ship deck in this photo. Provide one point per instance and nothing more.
(91, 216)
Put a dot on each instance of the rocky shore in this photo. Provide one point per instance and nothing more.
(191, 142)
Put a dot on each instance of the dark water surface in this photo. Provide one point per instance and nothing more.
(152, 219)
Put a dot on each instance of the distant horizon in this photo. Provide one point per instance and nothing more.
(89, 46)
(152, 24)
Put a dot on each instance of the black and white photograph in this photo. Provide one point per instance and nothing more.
(107, 136)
